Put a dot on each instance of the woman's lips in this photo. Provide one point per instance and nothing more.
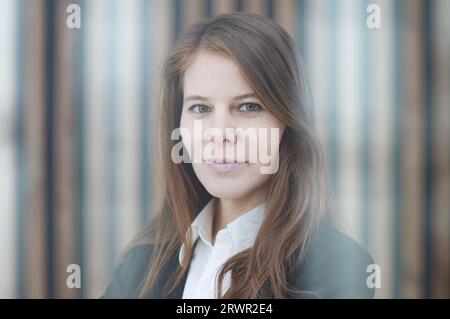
(225, 166)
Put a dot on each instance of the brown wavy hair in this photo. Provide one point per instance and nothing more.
(269, 61)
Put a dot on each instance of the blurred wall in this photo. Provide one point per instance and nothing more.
(74, 131)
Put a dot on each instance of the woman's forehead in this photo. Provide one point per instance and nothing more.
(214, 75)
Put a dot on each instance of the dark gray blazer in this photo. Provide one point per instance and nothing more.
(335, 266)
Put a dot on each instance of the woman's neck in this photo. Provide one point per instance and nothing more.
(228, 209)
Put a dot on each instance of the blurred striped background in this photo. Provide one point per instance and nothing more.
(75, 184)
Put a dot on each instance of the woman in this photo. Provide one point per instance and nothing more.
(235, 226)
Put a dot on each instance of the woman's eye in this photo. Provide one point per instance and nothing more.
(199, 108)
(250, 107)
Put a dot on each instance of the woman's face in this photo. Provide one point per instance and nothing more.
(234, 137)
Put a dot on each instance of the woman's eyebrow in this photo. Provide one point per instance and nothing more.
(202, 98)
(195, 98)
(245, 96)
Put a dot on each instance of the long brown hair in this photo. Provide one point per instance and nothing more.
(268, 60)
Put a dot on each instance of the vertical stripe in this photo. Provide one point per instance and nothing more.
(239, 5)
(284, 12)
(64, 210)
(223, 6)
(270, 8)
(208, 7)
(9, 199)
(162, 42)
(319, 66)
(96, 108)
(112, 159)
(35, 228)
(162, 30)
(428, 110)
(398, 151)
(146, 59)
(382, 130)
(448, 145)
(348, 115)
(21, 162)
(413, 144)
(177, 18)
(50, 162)
(127, 122)
(80, 146)
(192, 12)
(441, 81)
(365, 129)
(255, 6)
(302, 27)
(333, 136)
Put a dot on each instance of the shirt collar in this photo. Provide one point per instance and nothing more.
(243, 230)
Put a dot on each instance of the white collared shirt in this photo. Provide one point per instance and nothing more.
(207, 259)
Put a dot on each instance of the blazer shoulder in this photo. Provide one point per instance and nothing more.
(334, 266)
(128, 276)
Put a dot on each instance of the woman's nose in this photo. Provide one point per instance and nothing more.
(221, 135)
(222, 130)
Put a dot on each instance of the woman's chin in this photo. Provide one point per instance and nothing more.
(226, 191)
(232, 184)
(228, 188)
